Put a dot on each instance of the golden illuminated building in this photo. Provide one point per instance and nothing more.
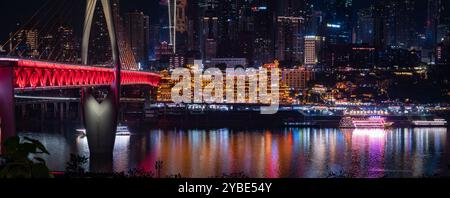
(297, 79)
(166, 85)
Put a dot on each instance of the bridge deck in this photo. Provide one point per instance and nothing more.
(34, 75)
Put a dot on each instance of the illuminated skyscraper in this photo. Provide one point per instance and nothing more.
(313, 45)
(32, 42)
(137, 31)
(264, 34)
(289, 39)
(172, 13)
(338, 21)
(100, 45)
(177, 24)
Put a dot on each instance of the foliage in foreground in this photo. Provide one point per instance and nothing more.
(22, 159)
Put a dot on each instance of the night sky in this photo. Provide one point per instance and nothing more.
(14, 12)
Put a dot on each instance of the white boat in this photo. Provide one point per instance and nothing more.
(364, 122)
(121, 131)
(429, 123)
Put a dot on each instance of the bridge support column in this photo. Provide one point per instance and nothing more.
(100, 120)
(67, 114)
(7, 107)
(61, 112)
(23, 109)
(55, 110)
(43, 111)
(79, 112)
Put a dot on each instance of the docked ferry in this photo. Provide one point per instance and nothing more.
(121, 131)
(429, 123)
(365, 122)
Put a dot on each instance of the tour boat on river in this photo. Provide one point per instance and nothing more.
(365, 122)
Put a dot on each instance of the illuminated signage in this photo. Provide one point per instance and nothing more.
(333, 25)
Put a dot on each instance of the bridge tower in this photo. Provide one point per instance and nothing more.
(100, 119)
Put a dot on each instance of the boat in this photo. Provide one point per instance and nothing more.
(429, 123)
(121, 131)
(365, 122)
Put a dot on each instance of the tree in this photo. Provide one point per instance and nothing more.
(21, 159)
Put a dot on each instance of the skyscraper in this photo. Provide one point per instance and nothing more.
(289, 39)
(67, 49)
(264, 31)
(338, 21)
(295, 8)
(154, 40)
(443, 28)
(365, 26)
(178, 25)
(313, 46)
(137, 32)
(193, 15)
(228, 16)
(400, 26)
(32, 42)
(100, 52)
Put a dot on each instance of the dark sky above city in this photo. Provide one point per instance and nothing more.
(19, 11)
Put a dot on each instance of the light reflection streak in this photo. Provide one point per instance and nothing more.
(293, 152)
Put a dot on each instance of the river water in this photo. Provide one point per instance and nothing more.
(268, 153)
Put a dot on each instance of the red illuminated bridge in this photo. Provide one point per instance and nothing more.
(30, 75)
(33, 75)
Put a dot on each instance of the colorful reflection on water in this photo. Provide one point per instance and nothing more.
(293, 153)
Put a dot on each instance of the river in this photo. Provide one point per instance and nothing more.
(267, 153)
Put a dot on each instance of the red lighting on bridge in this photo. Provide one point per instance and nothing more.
(29, 74)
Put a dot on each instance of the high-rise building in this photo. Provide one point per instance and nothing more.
(432, 23)
(176, 61)
(194, 33)
(154, 40)
(146, 39)
(126, 55)
(210, 49)
(210, 33)
(297, 79)
(32, 42)
(178, 25)
(394, 25)
(100, 52)
(228, 21)
(379, 39)
(68, 50)
(444, 20)
(137, 32)
(289, 39)
(365, 26)
(313, 46)
(295, 8)
(400, 26)
(338, 21)
(264, 31)
(164, 51)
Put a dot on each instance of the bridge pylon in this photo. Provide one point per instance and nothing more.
(100, 119)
